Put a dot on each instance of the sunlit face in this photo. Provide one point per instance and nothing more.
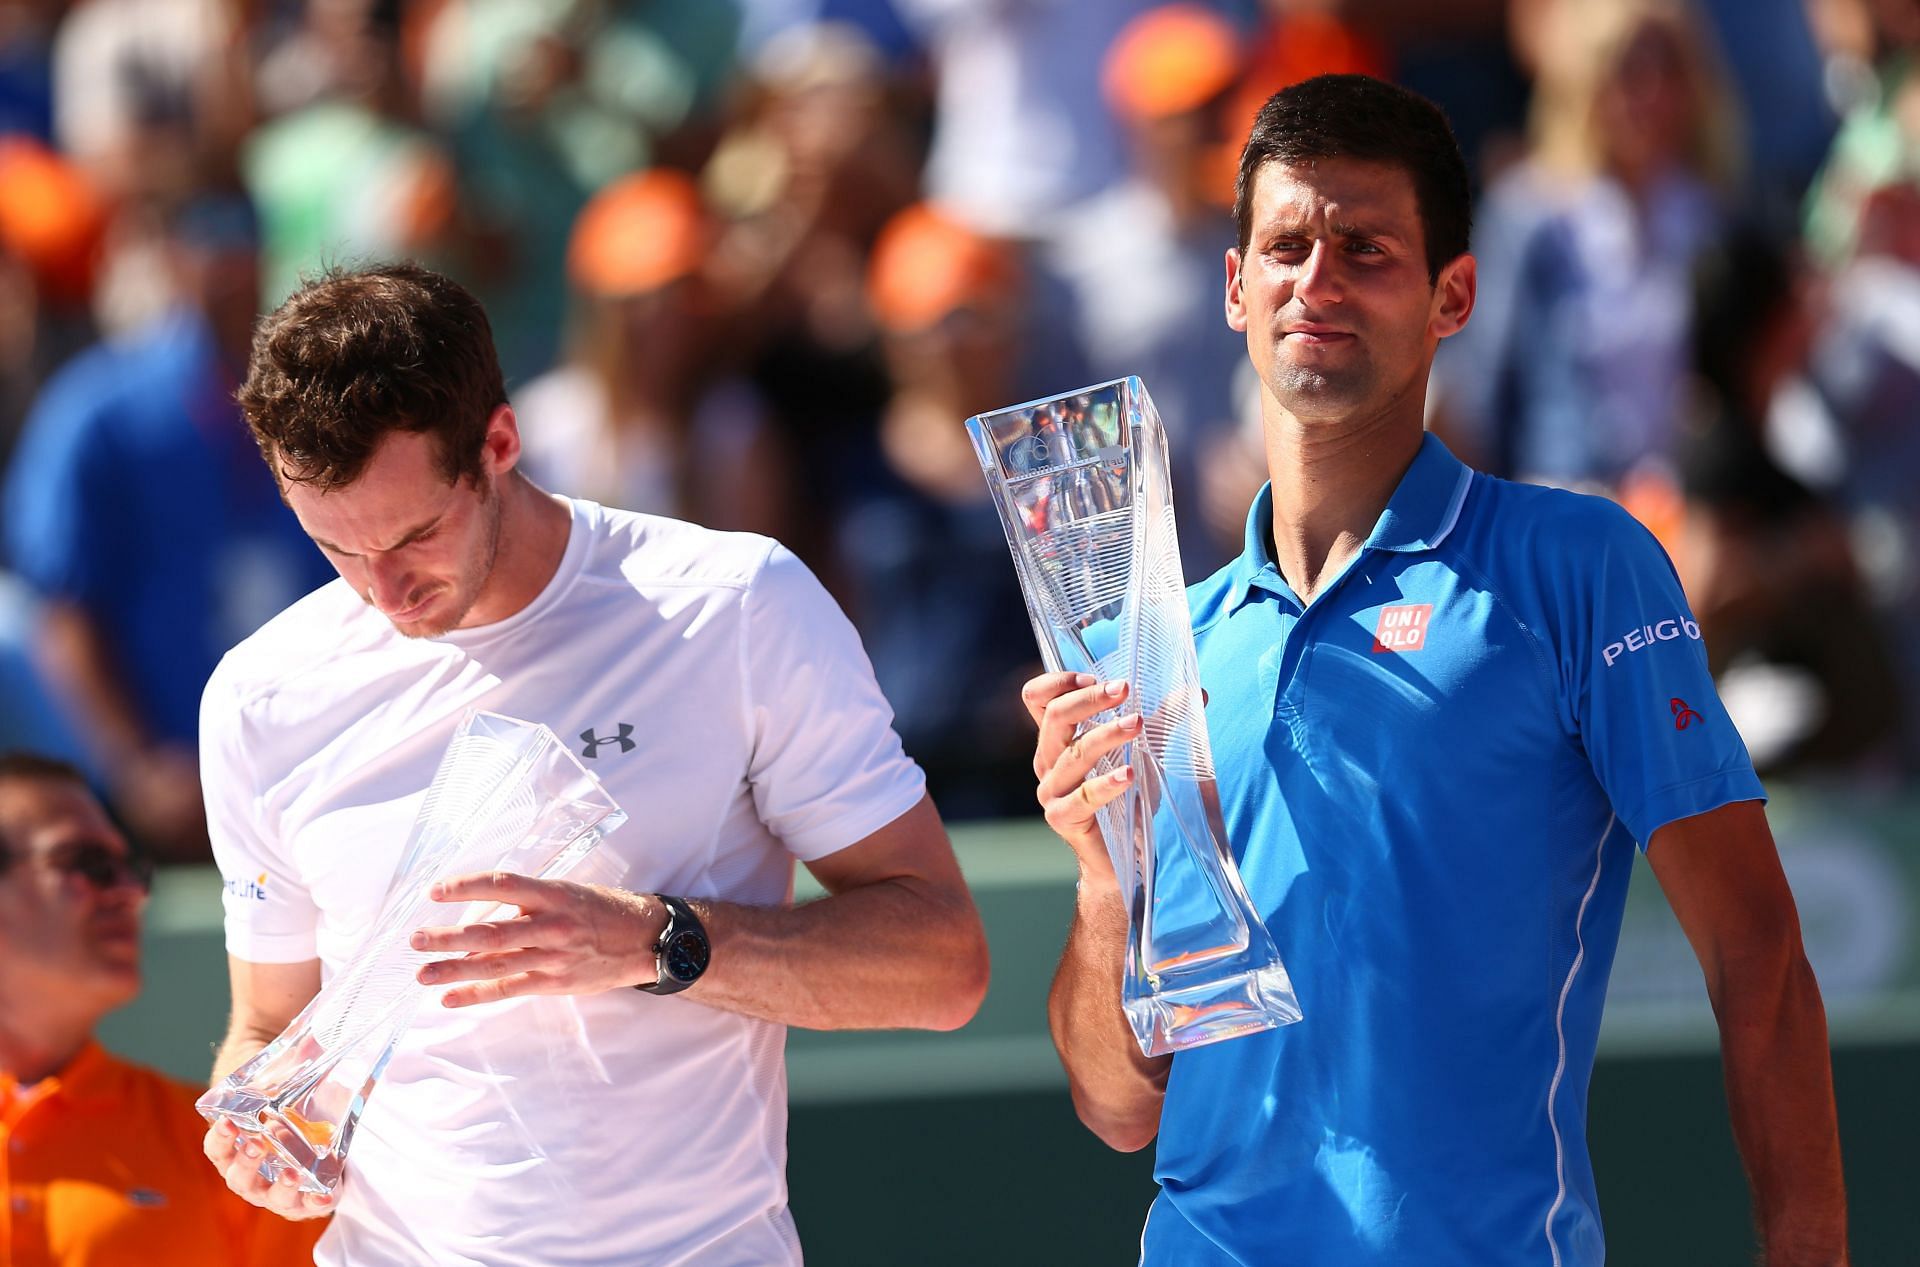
(419, 549)
(1332, 291)
(59, 930)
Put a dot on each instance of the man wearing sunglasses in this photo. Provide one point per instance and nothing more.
(99, 1159)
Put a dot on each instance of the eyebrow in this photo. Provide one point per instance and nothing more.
(1339, 229)
(1348, 229)
(409, 538)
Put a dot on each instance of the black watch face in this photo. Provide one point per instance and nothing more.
(685, 957)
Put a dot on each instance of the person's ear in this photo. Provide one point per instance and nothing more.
(1236, 293)
(500, 450)
(1453, 296)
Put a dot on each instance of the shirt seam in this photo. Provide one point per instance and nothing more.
(745, 659)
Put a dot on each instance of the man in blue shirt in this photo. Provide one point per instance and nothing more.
(137, 510)
(1443, 708)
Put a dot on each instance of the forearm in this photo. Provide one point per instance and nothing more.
(900, 954)
(76, 659)
(241, 1044)
(1780, 1093)
(1117, 1090)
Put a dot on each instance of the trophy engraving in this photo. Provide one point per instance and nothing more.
(1081, 483)
(507, 796)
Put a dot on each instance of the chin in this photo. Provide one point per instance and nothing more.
(116, 977)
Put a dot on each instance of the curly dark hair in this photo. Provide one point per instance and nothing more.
(355, 355)
(1356, 116)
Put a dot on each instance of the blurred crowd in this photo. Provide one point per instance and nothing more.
(753, 263)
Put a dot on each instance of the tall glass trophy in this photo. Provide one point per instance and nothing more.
(1081, 483)
(508, 796)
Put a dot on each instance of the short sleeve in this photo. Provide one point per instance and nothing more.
(270, 917)
(1635, 671)
(826, 768)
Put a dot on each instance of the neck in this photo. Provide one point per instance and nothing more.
(1330, 484)
(37, 1043)
(533, 537)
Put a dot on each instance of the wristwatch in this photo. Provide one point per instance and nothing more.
(682, 951)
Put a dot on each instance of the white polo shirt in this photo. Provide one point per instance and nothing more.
(725, 702)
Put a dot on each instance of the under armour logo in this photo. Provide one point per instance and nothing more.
(1682, 715)
(593, 741)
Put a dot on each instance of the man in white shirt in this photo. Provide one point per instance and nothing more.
(720, 696)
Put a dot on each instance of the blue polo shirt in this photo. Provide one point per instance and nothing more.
(137, 494)
(1432, 779)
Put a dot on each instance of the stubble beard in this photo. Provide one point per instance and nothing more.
(1309, 393)
(474, 576)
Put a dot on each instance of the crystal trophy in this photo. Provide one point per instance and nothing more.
(508, 796)
(1081, 483)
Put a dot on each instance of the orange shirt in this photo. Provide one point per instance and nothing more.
(100, 1166)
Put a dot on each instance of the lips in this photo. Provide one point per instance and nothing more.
(414, 612)
(117, 931)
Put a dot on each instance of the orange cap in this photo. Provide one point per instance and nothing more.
(49, 216)
(926, 266)
(1168, 61)
(638, 234)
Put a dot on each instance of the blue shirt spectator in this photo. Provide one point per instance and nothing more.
(137, 501)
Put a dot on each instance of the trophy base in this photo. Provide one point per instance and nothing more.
(1181, 1016)
(315, 1165)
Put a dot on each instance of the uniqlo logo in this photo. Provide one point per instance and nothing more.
(1402, 628)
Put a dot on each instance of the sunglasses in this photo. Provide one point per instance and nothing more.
(104, 868)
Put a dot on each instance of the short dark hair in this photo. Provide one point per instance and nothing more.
(1357, 116)
(353, 356)
(18, 765)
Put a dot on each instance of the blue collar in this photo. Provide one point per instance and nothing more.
(1422, 511)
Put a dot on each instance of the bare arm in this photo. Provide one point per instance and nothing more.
(897, 942)
(1117, 1091)
(266, 998)
(155, 785)
(1721, 873)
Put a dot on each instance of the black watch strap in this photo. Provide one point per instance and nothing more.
(681, 953)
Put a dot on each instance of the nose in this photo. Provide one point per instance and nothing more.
(388, 583)
(1318, 280)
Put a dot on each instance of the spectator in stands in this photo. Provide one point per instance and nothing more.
(1766, 561)
(1572, 370)
(1144, 259)
(931, 587)
(1020, 131)
(344, 171)
(643, 415)
(148, 94)
(823, 153)
(51, 222)
(544, 105)
(103, 1162)
(1869, 48)
(137, 510)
